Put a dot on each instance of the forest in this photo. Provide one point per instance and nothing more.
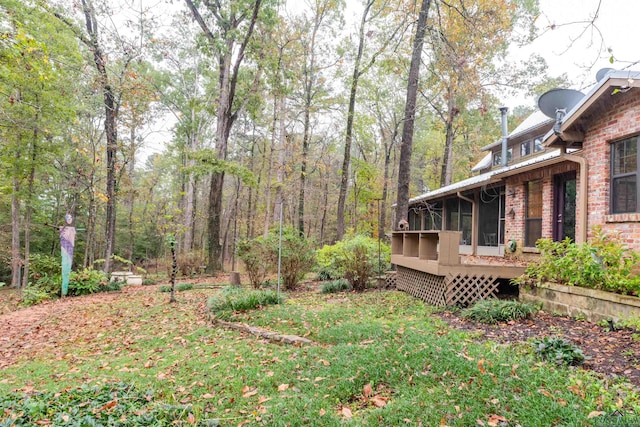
(205, 122)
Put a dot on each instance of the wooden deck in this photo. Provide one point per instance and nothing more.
(430, 267)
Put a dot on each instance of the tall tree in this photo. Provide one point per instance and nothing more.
(369, 13)
(229, 28)
(406, 145)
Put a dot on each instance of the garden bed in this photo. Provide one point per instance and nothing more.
(591, 304)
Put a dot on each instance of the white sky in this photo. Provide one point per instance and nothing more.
(617, 29)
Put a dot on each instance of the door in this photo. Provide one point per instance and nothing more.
(564, 207)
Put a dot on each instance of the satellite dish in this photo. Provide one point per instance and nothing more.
(558, 100)
(602, 73)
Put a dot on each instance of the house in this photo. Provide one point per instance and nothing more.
(554, 176)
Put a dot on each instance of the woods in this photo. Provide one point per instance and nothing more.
(203, 121)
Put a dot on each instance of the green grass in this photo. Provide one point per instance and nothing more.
(232, 299)
(495, 310)
(428, 372)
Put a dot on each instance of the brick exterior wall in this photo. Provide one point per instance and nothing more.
(621, 119)
(516, 187)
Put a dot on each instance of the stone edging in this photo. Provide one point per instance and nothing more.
(593, 304)
(294, 340)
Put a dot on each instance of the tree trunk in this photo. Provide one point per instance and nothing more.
(28, 210)
(406, 147)
(131, 198)
(16, 262)
(446, 175)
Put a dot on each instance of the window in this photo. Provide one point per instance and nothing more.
(533, 219)
(497, 157)
(624, 175)
(525, 148)
(537, 145)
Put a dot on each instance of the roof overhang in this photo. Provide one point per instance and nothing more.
(571, 129)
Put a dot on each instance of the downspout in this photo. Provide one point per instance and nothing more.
(581, 234)
(503, 120)
(474, 229)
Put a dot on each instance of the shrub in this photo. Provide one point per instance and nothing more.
(297, 255)
(148, 282)
(189, 263)
(43, 265)
(253, 255)
(336, 286)
(334, 261)
(87, 281)
(604, 263)
(230, 300)
(184, 287)
(32, 295)
(165, 288)
(558, 350)
(495, 310)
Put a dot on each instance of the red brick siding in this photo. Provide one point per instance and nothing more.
(621, 120)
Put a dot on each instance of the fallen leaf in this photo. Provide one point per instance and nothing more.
(249, 391)
(379, 402)
(545, 392)
(322, 412)
(495, 420)
(346, 413)
(191, 419)
(263, 399)
(480, 422)
(208, 396)
(367, 391)
(481, 367)
(283, 387)
(594, 414)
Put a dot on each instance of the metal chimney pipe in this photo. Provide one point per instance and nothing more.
(503, 118)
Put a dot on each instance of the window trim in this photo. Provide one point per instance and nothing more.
(528, 219)
(613, 177)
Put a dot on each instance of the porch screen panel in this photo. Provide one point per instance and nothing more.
(624, 176)
(533, 219)
(433, 216)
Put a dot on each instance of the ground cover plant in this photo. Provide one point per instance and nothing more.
(338, 285)
(496, 310)
(380, 358)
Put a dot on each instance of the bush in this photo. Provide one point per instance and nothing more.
(149, 282)
(336, 286)
(184, 287)
(43, 265)
(253, 255)
(32, 295)
(604, 263)
(297, 255)
(558, 350)
(88, 281)
(189, 263)
(495, 310)
(355, 258)
(235, 299)
(165, 288)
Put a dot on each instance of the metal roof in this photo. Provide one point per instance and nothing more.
(484, 163)
(484, 178)
(534, 120)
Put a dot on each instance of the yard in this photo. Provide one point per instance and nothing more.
(378, 358)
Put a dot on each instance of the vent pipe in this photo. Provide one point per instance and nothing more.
(503, 118)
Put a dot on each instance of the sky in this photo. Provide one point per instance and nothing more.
(571, 45)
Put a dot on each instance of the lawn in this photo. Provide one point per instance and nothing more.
(379, 358)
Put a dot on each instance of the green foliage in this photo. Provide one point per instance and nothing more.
(334, 286)
(604, 263)
(32, 295)
(43, 265)
(179, 287)
(105, 405)
(298, 257)
(234, 299)
(88, 281)
(496, 310)
(354, 258)
(148, 282)
(331, 259)
(253, 255)
(558, 350)
(184, 287)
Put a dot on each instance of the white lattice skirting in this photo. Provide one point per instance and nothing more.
(460, 289)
